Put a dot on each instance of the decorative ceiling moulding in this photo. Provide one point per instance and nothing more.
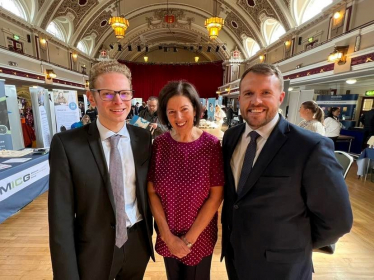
(255, 35)
(79, 11)
(40, 4)
(263, 6)
(240, 28)
(94, 27)
(180, 19)
(282, 19)
(17, 21)
(51, 11)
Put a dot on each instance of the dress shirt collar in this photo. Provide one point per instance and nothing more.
(106, 133)
(265, 130)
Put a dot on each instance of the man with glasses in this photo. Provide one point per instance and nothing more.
(100, 223)
(150, 114)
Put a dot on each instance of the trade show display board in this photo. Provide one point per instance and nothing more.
(22, 183)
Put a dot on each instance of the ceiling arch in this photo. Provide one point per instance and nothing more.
(88, 20)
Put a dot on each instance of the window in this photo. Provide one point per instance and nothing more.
(305, 10)
(251, 47)
(14, 7)
(272, 30)
(56, 31)
(82, 46)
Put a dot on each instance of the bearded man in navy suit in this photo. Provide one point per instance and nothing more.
(285, 194)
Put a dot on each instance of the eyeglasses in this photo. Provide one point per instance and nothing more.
(108, 94)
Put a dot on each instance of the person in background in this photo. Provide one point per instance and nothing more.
(85, 120)
(132, 112)
(229, 115)
(185, 185)
(285, 192)
(333, 125)
(100, 224)
(150, 114)
(81, 108)
(137, 108)
(204, 113)
(219, 115)
(144, 106)
(92, 113)
(367, 119)
(313, 116)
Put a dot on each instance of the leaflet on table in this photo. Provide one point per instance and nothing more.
(4, 166)
(13, 154)
(16, 160)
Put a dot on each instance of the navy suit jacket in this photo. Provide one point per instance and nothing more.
(295, 199)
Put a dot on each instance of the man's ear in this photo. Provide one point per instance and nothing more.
(91, 98)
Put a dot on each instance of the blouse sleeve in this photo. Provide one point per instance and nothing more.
(216, 166)
(318, 127)
(152, 167)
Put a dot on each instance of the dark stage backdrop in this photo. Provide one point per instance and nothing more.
(148, 79)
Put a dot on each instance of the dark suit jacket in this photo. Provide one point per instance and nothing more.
(295, 199)
(81, 205)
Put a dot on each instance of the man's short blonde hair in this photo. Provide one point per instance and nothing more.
(108, 67)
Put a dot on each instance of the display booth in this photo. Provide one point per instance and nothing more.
(22, 183)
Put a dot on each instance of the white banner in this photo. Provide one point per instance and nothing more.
(16, 182)
(66, 108)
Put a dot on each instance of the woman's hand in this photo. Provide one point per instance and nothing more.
(176, 246)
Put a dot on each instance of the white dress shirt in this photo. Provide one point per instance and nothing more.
(128, 165)
(240, 149)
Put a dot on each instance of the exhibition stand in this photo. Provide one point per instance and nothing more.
(22, 183)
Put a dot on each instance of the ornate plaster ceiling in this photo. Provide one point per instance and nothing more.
(88, 19)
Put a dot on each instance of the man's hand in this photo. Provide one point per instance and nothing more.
(153, 125)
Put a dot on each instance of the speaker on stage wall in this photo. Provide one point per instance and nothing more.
(28, 38)
(300, 40)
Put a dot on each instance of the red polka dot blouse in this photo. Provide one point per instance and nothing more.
(182, 175)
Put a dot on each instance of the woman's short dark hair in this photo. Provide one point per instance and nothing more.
(175, 88)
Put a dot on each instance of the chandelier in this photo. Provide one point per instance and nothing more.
(119, 24)
(215, 23)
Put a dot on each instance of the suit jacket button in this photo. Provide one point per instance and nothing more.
(236, 206)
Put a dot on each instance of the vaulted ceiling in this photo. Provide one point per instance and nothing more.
(87, 20)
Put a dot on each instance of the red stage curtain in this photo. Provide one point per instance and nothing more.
(149, 79)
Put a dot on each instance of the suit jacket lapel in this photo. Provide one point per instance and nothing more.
(276, 140)
(97, 150)
(231, 145)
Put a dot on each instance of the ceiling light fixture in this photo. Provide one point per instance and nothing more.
(146, 59)
(197, 59)
(215, 23)
(50, 74)
(339, 55)
(118, 23)
(351, 81)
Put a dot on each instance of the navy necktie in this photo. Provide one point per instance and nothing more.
(116, 180)
(250, 154)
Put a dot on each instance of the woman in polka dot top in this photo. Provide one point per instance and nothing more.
(185, 185)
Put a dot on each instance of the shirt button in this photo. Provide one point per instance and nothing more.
(236, 206)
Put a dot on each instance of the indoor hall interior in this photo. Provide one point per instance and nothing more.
(324, 48)
(24, 250)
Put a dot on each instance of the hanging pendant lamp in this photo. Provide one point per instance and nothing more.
(119, 24)
(215, 23)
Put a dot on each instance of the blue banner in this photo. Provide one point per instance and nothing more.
(211, 108)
